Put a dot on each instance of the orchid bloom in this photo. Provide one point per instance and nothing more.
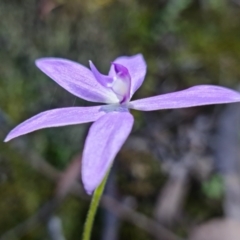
(112, 122)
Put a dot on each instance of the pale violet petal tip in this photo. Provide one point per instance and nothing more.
(105, 138)
(56, 118)
(191, 97)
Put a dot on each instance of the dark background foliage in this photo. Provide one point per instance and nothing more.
(180, 168)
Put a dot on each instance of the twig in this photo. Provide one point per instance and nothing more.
(41, 216)
(55, 228)
(227, 155)
(111, 223)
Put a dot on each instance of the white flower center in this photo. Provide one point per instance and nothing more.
(120, 86)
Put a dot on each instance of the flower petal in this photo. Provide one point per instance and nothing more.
(137, 68)
(76, 78)
(104, 80)
(56, 118)
(191, 97)
(105, 138)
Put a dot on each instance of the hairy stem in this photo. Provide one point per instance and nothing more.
(93, 209)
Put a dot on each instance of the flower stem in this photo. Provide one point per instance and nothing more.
(93, 209)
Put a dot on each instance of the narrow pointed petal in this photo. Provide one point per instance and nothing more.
(191, 97)
(104, 80)
(105, 138)
(76, 78)
(137, 68)
(56, 118)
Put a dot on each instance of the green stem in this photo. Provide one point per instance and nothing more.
(93, 209)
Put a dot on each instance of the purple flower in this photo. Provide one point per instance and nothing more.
(112, 122)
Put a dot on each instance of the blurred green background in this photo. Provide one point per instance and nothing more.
(184, 42)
